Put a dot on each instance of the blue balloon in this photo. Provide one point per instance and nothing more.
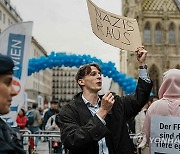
(128, 84)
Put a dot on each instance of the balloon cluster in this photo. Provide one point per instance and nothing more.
(128, 84)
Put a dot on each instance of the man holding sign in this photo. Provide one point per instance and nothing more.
(97, 124)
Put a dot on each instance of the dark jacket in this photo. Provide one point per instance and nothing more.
(10, 141)
(47, 115)
(80, 131)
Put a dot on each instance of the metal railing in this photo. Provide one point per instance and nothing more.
(48, 134)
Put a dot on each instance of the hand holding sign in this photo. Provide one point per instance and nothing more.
(141, 55)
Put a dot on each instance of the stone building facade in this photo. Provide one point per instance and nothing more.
(64, 86)
(159, 25)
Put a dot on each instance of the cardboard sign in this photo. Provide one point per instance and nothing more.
(165, 135)
(119, 31)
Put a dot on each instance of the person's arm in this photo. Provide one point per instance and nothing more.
(76, 137)
(141, 55)
(132, 104)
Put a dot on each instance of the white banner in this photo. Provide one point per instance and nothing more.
(165, 135)
(15, 41)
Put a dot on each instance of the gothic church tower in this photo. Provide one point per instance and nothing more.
(159, 24)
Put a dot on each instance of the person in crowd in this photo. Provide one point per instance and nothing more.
(49, 112)
(139, 119)
(96, 124)
(10, 141)
(52, 126)
(46, 108)
(139, 122)
(22, 119)
(22, 122)
(34, 127)
(169, 100)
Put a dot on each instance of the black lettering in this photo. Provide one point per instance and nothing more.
(106, 18)
(125, 36)
(108, 32)
(117, 20)
(161, 126)
(124, 24)
(98, 13)
(99, 26)
(161, 135)
(115, 36)
(131, 28)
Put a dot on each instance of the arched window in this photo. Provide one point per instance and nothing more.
(158, 34)
(171, 34)
(147, 34)
(153, 73)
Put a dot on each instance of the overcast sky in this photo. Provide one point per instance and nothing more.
(64, 25)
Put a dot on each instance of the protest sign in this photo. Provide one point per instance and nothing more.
(165, 135)
(119, 31)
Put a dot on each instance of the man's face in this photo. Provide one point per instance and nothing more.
(6, 93)
(93, 81)
(54, 106)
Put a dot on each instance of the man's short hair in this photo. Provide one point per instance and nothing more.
(34, 105)
(6, 65)
(85, 70)
(54, 102)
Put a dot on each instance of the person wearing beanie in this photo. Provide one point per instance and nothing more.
(10, 141)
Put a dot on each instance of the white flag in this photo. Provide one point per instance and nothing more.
(15, 41)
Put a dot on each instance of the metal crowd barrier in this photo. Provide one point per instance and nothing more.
(25, 130)
(26, 140)
(49, 134)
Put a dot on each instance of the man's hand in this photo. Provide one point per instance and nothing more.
(141, 55)
(106, 105)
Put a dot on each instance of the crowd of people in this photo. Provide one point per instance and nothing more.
(45, 121)
(92, 123)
